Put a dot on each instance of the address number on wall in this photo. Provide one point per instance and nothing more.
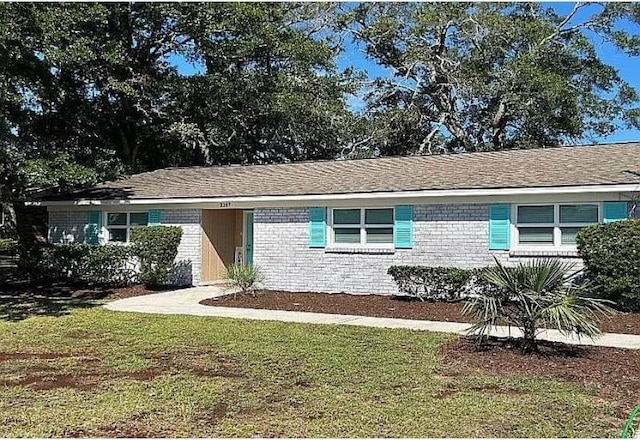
(225, 204)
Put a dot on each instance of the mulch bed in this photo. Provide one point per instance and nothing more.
(613, 371)
(383, 307)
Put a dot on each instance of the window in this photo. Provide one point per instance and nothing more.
(362, 226)
(553, 225)
(119, 224)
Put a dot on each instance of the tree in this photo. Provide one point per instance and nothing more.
(534, 296)
(490, 76)
(271, 92)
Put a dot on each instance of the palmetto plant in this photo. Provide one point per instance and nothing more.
(246, 277)
(532, 297)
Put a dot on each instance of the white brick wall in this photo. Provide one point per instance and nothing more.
(444, 235)
(189, 252)
(64, 224)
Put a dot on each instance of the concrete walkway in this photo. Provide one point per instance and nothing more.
(186, 302)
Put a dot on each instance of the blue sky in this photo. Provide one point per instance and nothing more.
(628, 67)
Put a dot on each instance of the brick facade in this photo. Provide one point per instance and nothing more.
(444, 235)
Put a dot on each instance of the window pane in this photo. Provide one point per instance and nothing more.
(569, 235)
(346, 216)
(578, 213)
(119, 235)
(379, 235)
(117, 218)
(535, 214)
(536, 235)
(378, 216)
(347, 235)
(138, 218)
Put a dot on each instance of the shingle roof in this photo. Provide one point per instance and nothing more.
(563, 166)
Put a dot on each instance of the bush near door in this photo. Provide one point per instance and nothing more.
(156, 248)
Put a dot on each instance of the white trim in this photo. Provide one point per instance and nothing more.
(227, 202)
(362, 226)
(556, 225)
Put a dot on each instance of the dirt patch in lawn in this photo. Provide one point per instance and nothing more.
(612, 371)
(384, 307)
(93, 374)
(5, 356)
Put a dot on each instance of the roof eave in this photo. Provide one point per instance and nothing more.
(473, 192)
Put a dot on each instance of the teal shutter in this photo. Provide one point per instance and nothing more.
(248, 245)
(317, 227)
(403, 227)
(499, 226)
(155, 218)
(615, 211)
(94, 223)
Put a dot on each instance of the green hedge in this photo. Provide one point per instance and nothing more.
(611, 255)
(436, 283)
(110, 265)
(8, 246)
(156, 248)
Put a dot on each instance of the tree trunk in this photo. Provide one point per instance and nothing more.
(31, 224)
(529, 344)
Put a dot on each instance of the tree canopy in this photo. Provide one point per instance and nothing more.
(94, 91)
(490, 76)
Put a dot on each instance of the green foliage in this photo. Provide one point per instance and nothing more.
(245, 277)
(8, 246)
(611, 255)
(491, 76)
(433, 283)
(156, 248)
(533, 296)
(108, 265)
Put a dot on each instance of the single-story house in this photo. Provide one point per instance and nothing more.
(337, 226)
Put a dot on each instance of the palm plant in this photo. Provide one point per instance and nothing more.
(245, 277)
(532, 297)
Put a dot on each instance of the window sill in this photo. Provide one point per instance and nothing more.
(570, 253)
(359, 250)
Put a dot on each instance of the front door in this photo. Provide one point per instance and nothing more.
(248, 238)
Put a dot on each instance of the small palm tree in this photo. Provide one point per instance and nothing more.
(533, 296)
(246, 277)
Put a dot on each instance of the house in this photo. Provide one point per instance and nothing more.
(336, 226)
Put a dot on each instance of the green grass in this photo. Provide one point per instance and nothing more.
(120, 374)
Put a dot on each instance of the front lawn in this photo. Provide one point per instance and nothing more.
(94, 372)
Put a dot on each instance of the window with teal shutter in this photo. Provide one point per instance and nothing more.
(317, 227)
(499, 226)
(615, 211)
(403, 226)
(155, 218)
(94, 223)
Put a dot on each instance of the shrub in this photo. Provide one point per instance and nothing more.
(156, 248)
(611, 255)
(535, 295)
(8, 246)
(243, 276)
(77, 263)
(434, 283)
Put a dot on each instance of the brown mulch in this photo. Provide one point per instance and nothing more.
(612, 371)
(383, 307)
(345, 304)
